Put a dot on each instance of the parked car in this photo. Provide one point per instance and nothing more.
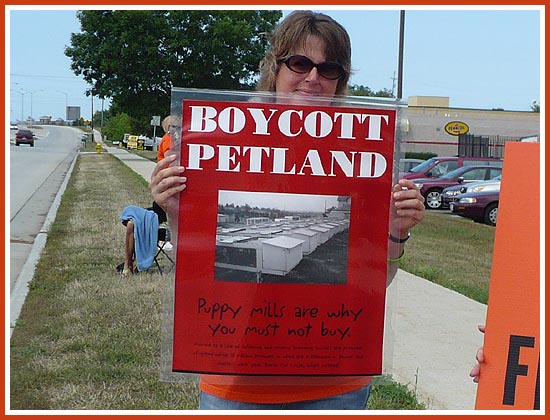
(449, 193)
(13, 126)
(149, 143)
(479, 206)
(431, 188)
(405, 165)
(438, 166)
(24, 137)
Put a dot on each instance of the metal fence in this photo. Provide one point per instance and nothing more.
(470, 145)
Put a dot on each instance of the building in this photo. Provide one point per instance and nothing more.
(428, 124)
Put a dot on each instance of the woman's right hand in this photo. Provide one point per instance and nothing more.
(166, 183)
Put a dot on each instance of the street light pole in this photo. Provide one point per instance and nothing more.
(22, 93)
(31, 93)
(66, 103)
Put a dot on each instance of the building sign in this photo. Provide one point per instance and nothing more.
(280, 267)
(510, 378)
(456, 128)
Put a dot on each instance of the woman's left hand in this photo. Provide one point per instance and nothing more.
(406, 208)
(480, 358)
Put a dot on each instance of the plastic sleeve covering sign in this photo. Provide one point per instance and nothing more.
(510, 376)
(282, 239)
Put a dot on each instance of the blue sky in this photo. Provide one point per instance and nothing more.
(480, 58)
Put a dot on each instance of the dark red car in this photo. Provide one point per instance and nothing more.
(438, 166)
(24, 137)
(480, 206)
(431, 188)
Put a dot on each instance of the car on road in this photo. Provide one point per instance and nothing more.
(431, 188)
(481, 207)
(449, 193)
(13, 127)
(405, 165)
(24, 137)
(438, 166)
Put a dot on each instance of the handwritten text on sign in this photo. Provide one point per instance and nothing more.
(218, 312)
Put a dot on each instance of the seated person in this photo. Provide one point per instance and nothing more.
(141, 236)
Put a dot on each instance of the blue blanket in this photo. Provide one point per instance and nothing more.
(146, 226)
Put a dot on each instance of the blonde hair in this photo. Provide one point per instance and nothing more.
(294, 31)
(166, 123)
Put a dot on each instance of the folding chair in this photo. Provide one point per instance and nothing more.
(163, 238)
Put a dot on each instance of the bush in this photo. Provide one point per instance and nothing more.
(419, 155)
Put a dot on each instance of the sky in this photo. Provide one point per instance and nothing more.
(287, 202)
(481, 58)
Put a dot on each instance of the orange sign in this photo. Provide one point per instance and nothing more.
(510, 376)
(456, 128)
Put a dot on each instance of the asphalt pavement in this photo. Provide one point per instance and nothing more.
(431, 333)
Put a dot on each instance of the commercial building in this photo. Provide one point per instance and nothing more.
(428, 124)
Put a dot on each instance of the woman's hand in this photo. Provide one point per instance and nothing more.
(166, 183)
(476, 370)
(406, 208)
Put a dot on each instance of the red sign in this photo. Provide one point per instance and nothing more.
(282, 239)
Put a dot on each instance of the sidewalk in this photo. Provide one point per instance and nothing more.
(431, 332)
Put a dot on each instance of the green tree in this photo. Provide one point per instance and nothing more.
(535, 107)
(117, 126)
(99, 115)
(135, 57)
(360, 90)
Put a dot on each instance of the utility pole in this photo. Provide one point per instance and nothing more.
(400, 62)
(92, 95)
(102, 105)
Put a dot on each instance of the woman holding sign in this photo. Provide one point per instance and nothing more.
(309, 56)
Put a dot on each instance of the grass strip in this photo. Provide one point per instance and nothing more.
(88, 339)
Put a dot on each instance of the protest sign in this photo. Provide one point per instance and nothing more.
(282, 238)
(510, 374)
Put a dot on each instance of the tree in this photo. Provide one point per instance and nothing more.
(117, 126)
(101, 115)
(535, 107)
(360, 90)
(135, 57)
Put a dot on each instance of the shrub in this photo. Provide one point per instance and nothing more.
(419, 155)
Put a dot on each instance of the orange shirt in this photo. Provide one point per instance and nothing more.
(165, 145)
(279, 389)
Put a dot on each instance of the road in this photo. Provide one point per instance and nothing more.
(36, 174)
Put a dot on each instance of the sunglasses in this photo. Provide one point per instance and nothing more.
(302, 65)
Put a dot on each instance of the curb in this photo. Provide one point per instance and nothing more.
(21, 287)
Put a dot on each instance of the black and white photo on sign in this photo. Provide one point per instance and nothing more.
(282, 238)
